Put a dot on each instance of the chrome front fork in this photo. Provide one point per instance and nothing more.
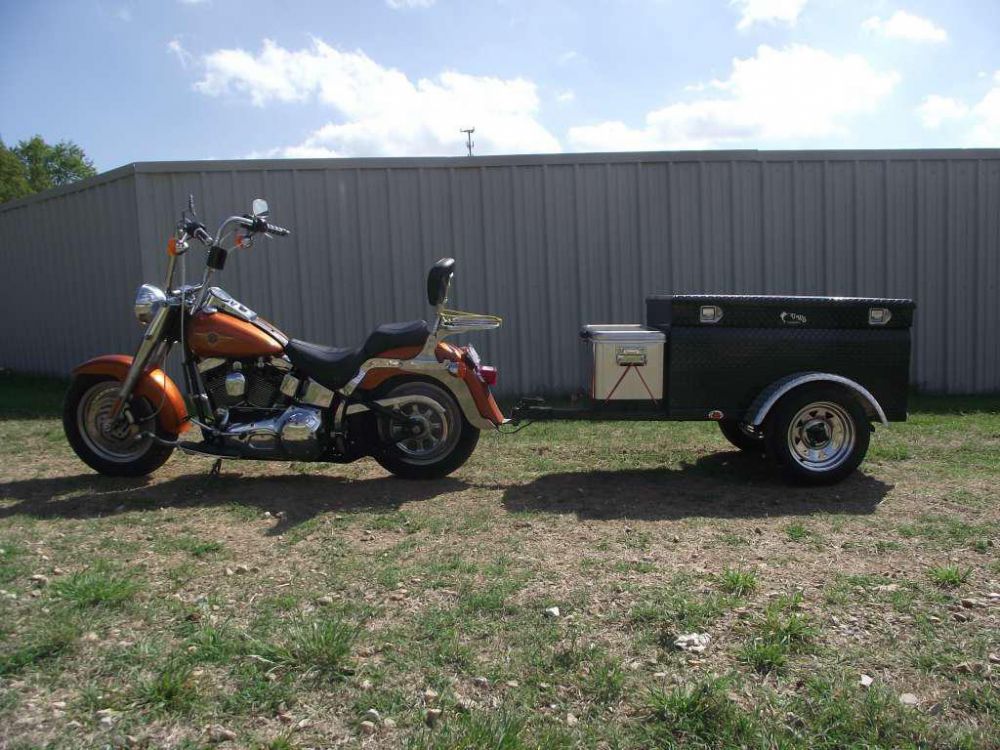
(150, 344)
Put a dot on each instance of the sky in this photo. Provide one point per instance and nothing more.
(146, 80)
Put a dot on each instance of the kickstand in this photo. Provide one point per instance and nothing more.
(216, 468)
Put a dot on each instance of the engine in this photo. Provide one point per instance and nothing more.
(256, 418)
(244, 384)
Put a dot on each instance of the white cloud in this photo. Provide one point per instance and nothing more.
(175, 47)
(402, 4)
(568, 56)
(767, 11)
(795, 93)
(980, 122)
(903, 25)
(565, 97)
(193, 2)
(379, 110)
(935, 110)
(986, 131)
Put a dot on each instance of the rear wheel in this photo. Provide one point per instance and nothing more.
(743, 437)
(439, 441)
(116, 450)
(818, 434)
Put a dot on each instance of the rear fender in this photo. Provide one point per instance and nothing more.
(471, 393)
(153, 385)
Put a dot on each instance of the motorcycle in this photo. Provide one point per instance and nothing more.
(406, 397)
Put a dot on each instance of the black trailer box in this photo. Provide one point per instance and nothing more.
(723, 350)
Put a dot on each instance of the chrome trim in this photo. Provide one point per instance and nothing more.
(317, 395)
(289, 385)
(210, 364)
(770, 396)
(220, 299)
(439, 371)
(148, 300)
(236, 384)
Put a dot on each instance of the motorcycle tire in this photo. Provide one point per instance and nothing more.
(123, 453)
(445, 444)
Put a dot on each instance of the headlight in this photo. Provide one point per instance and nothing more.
(148, 301)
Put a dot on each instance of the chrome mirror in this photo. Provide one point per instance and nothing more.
(259, 208)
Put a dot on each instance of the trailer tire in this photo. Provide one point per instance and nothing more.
(737, 434)
(818, 434)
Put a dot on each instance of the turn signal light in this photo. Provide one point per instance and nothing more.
(488, 374)
(172, 246)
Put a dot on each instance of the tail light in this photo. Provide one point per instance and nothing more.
(488, 374)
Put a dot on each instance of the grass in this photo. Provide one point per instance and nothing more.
(172, 689)
(738, 582)
(699, 716)
(358, 592)
(97, 586)
(781, 632)
(949, 576)
(318, 646)
(36, 647)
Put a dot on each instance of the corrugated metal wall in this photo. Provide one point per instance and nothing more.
(548, 242)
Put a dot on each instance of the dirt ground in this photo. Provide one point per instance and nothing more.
(295, 605)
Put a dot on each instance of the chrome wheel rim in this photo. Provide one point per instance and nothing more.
(821, 436)
(120, 443)
(435, 434)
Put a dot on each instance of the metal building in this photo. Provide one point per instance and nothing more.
(548, 242)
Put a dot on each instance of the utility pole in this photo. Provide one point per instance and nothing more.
(469, 143)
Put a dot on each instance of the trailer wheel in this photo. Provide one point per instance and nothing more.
(818, 434)
(742, 436)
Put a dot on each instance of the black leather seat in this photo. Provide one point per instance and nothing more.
(332, 367)
(327, 365)
(394, 335)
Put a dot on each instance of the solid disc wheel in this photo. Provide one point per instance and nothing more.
(742, 436)
(435, 440)
(118, 449)
(818, 434)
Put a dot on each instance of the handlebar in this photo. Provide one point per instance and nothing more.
(259, 224)
(277, 231)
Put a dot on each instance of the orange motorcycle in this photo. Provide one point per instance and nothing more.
(405, 396)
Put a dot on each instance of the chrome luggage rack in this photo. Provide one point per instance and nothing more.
(457, 321)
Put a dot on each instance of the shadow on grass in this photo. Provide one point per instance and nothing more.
(292, 499)
(720, 485)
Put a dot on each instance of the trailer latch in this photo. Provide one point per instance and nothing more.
(710, 314)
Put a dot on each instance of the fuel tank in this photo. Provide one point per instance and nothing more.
(218, 334)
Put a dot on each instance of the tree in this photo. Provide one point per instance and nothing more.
(42, 166)
(13, 176)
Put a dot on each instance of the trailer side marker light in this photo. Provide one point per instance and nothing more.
(716, 415)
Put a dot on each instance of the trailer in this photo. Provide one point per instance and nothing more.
(802, 380)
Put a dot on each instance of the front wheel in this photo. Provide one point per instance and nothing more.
(116, 450)
(818, 434)
(438, 442)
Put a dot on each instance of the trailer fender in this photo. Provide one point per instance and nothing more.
(767, 398)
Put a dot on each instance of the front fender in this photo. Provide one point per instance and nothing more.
(153, 385)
